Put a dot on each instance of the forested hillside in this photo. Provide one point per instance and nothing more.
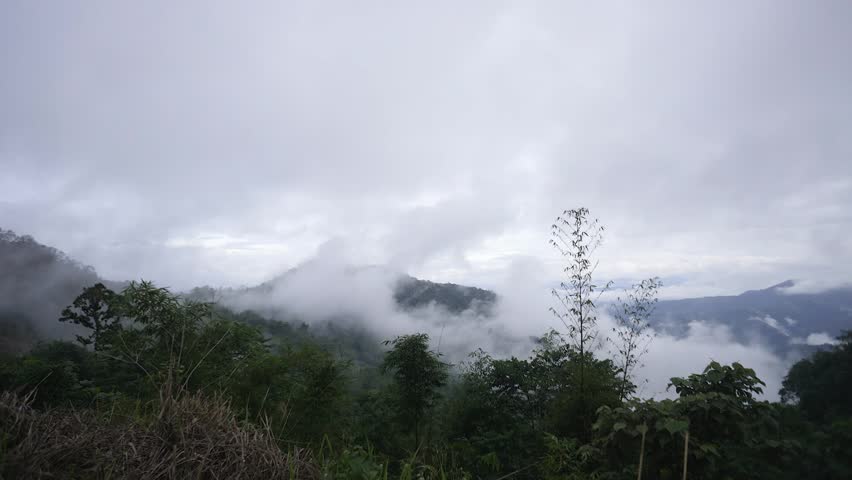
(36, 283)
(158, 384)
(411, 292)
(155, 361)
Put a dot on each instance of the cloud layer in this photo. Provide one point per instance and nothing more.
(221, 143)
(327, 287)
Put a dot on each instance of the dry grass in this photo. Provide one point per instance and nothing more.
(193, 437)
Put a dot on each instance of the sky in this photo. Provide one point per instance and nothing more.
(223, 143)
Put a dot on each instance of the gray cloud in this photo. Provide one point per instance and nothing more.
(219, 143)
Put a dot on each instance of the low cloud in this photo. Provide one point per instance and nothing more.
(816, 340)
(815, 286)
(774, 324)
(671, 356)
(328, 287)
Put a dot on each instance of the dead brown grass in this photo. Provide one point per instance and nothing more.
(193, 437)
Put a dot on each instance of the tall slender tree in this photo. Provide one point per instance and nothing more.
(419, 374)
(576, 237)
(632, 334)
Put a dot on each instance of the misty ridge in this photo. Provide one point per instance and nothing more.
(37, 282)
(766, 329)
(437, 378)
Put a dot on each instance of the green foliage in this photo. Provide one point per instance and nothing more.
(418, 375)
(144, 355)
(56, 373)
(731, 433)
(566, 459)
(300, 392)
(820, 384)
(734, 381)
(357, 463)
(149, 337)
(819, 389)
(506, 407)
(576, 236)
(96, 309)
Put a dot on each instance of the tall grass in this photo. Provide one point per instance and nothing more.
(192, 437)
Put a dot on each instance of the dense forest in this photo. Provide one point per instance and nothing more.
(155, 384)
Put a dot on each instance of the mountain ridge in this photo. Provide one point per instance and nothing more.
(782, 317)
(37, 281)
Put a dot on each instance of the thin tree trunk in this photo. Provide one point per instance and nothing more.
(685, 451)
(416, 435)
(623, 389)
(582, 325)
(641, 455)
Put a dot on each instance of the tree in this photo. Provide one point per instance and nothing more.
(820, 389)
(822, 384)
(632, 330)
(94, 309)
(299, 392)
(576, 237)
(507, 405)
(716, 428)
(177, 344)
(418, 373)
(55, 373)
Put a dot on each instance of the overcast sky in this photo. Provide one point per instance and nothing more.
(224, 142)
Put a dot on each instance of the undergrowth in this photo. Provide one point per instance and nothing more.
(192, 437)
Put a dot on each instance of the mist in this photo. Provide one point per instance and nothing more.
(36, 283)
(330, 287)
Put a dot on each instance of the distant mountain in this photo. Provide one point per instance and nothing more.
(411, 292)
(36, 283)
(350, 309)
(777, 314)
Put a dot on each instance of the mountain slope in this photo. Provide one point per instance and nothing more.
(411, 292)
(353, 287)
(36, 283)
(778, 314)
